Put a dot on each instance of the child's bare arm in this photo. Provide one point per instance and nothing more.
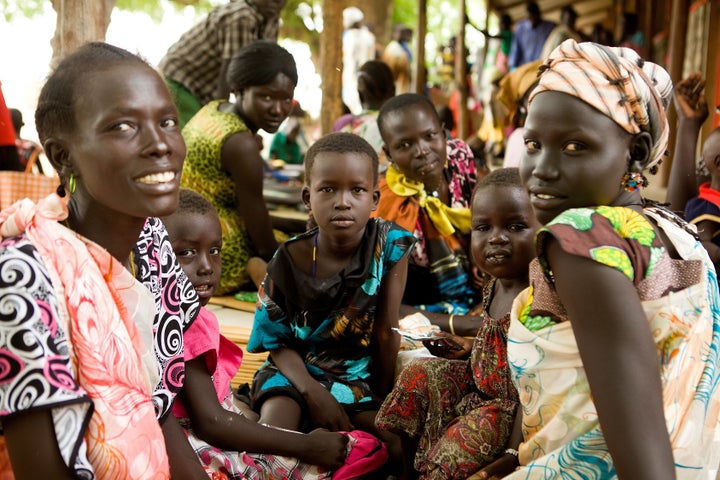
(385, 342)
(692, 110)
(463, 325)
(184, 463)
(706, 231)
(325, 411)
(621, 362)
(231, 431)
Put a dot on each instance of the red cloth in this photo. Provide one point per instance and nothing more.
(709, 194)
(7, 130)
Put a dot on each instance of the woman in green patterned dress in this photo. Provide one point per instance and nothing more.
(223, 154)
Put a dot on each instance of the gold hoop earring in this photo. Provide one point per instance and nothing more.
(72, 183)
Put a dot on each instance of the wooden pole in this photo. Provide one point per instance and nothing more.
(676, 54)
(712, 75)
(420, 77)
(331, 64)
(676, 40)
(461, 75)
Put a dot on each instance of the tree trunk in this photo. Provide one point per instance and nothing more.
(79, 22)
(378, 15)
(461, 75)
(331, 64)
(420, 76)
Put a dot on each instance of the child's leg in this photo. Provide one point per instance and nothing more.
(409, 448)
(401, 448)
(281, 411)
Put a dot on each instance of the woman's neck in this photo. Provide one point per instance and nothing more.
(631, 200)
(237, 110)
(116, 234)
(437, 187)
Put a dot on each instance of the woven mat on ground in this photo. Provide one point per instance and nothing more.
(251, 361)
(231, 302)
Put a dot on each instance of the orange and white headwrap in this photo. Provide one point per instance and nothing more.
(615, 81)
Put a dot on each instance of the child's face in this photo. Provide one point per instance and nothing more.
(503, 229)
(196, 240)
(415, 142)
(711, 153)
(126, 152)
(341, 193)
(575, 156)
(267, 106)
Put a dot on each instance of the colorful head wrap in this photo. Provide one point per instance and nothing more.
(617, 82)
(516, 84)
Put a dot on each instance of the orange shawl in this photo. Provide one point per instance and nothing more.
(123, 437)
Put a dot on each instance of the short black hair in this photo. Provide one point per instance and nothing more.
(341, 142)
(500, 177)
(569, 10)
(376, 79)
(17, 119)
(533, 8)
(401, 102)
(191, 201)
(55, 112)
(258, 63)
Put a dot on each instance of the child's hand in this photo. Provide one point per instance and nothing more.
(326, 449)
(477, 310)
(450, 346)
(477, 278)
(689, 96)
(325, 411)
(500, 468)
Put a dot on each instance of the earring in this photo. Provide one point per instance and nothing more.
(633, 181)
(72, 183)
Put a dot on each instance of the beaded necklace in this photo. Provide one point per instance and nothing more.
(314, 255)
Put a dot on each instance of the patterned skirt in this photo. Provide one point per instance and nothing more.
(228, 464)
(459, 431)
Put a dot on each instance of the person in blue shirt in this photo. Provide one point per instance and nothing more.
(529, 37)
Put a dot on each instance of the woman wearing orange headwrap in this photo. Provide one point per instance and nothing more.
(615, 346)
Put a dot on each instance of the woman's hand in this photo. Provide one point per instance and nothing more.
(500, 468)
(325, 410)
(449, 346)
(689, 98)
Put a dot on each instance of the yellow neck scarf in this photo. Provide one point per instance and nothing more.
(446, 219)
